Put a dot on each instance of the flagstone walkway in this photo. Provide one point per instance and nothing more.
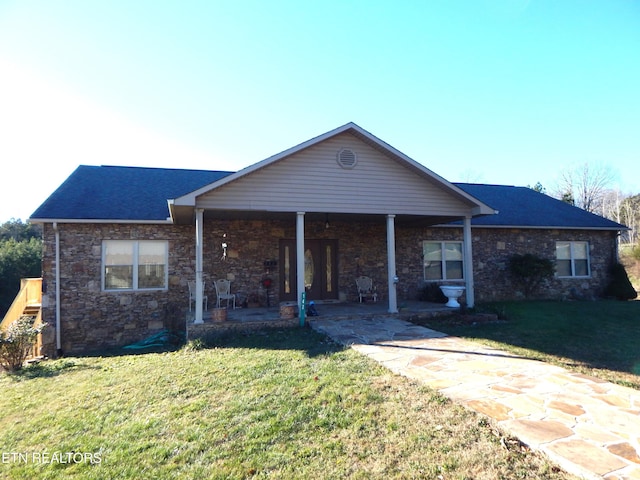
(589, 427)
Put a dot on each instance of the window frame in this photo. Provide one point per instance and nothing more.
(135, 266)
(443, 261)
(572, 258)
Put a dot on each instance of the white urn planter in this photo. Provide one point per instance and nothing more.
(452, 293)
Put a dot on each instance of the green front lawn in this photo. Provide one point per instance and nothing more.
(598, 338)
(285, 404)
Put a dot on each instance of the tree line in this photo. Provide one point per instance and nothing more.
(20, 257)
(590, 186)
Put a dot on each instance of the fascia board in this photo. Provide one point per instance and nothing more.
(99, 220)
(190, 198)
(480, 207)
(535, 227)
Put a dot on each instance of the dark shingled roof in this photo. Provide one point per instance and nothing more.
(141, 194)
(122, 193)
(524, 207)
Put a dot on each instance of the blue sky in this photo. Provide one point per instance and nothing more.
(490, 91)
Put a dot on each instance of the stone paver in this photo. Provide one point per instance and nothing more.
(589, 427)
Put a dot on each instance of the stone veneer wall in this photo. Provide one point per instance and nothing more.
(493, 247)
(93, 319)
(210, 330)
(361, 251)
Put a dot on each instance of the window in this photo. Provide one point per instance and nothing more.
(134, 265)
(572, 259)
(443, 261)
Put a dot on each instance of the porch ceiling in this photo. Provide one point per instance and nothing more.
(400, 220)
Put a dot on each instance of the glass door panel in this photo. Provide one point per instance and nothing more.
(320, 268)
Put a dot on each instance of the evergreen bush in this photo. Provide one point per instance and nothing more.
(530, 271)
(620, 286)
(431, 293)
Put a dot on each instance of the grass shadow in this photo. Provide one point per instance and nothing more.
(123, 352)
(47, 369)
(600, 335)
(160, 342)
(301, 339)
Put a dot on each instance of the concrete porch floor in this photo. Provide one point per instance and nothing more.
(332, 310)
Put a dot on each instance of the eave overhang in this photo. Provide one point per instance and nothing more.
(168, 221)
(536, 227)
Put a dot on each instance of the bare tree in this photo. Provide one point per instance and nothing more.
(630, 216)
(613, 205)
(624, 209)
(586, 185)
(472, 176)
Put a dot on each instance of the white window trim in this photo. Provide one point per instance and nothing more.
(443, 260)
(136, 244)
(573, 259)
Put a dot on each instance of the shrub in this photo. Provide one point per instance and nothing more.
(620, 287)
(194, 345)
(16, 343)
(530, 271)
(431, 293)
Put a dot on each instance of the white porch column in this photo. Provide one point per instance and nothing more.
(468, 262)
(300, 258)
(199, 292)
(391, 263)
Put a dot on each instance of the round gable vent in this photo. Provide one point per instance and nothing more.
(347, 158)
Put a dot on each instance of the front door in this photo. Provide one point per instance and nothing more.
(320, 269)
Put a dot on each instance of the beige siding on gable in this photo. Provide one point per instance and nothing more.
(313, 181)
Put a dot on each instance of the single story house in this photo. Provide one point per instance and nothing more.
(121, 244)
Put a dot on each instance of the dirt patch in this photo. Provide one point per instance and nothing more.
(461, 318)
(474, 318)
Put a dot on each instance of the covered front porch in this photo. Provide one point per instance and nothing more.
(331, 198)
(301, 252)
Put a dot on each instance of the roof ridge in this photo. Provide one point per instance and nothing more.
(159, 168)
(489, 184)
